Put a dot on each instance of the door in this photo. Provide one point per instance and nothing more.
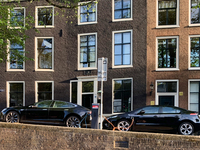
(166, 100)
(87, 100)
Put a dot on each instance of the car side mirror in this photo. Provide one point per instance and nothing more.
(141, 112)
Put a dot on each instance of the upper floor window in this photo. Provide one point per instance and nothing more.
(87, 13)
(16, 55)
(122, 10)
(168, 11)
(194, 52)
(167, 53)
(44, 16)
(88, 51)
(195, 12)
(17, 17)
(122, 48)
(44, 54)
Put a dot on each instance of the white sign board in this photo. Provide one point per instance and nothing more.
(102, 69)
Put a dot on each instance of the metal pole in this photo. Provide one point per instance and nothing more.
(101, 95)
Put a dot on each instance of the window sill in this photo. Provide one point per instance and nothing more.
(118, 20)
(15, 70)
(44, 27)
(46, 70)
(194, 25)
(165, 27)
(84, 69)
(196, 68)
(159, 70)
(118, 67)
(87, 23)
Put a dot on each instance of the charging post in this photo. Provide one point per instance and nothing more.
(95, 116)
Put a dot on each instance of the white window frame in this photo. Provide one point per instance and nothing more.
(177, 54)
(168, 26)
(189, 51)
(36, 89)
(8, 92)
(175, 94)
(113, 49)
(8, 62)
(24, 17)
(113, 87)
(36, 17)
(189, 81)
(79, 16)
(36, 54)
(122, 19)
(190, 24)
(87, 68)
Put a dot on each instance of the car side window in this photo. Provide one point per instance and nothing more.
(43, 104)
(59, 104)
(170, 110)
(151, 110)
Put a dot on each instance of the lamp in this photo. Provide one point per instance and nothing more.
(151, 87)
(99, 96)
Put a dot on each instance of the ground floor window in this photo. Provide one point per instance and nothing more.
(194, 95)
(16, 94)
(122, 90)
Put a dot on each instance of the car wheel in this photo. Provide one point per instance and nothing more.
(186, 128)
(123, 125)
(12, 117)
(73, 121)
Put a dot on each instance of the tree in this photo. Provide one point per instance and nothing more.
(13, 27)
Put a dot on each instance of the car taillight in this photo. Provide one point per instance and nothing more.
(193, 114)
(89, 112)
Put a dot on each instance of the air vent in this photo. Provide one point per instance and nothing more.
(121, 144)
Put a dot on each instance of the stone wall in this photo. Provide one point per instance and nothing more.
(41, 137)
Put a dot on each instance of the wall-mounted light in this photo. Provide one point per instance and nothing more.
(151, 87)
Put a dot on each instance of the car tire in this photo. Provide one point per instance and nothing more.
(123, 125)
(186, 128)
(73, 121)
(12, 117)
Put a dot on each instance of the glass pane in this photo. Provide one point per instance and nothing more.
(126, 59)
(92, 57)
(194, 86)
(83, 9)
(127, 37)
(91, 40)
(171, 17)
(194, 97)
(117, 85)
(118, 4)
(126, 49)
(127, 13)
(166, 3)
(166, 100)
(118, 60)
(44, 104)
(162, 17)
(194, 107)
(87, 100)
(45, 59)
(118, 49)
(127, 84)
(195, 12)
(92, 17)
(171, 110)
(194, 57)
(118, 38)
(17, 17)
(151, 110)
(83, 57)
(74, 92)
(83, 17)
(44, 87)
(126, 4)
(60, 104)
(167, 87)
(117, 105)
(88, 86)
(118, 14)
(16, 87)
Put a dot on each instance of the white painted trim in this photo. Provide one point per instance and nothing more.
(177, 17)
(79, 15)
(189, 52)
(8, 91)
(87, 68)
(8, 62)
(175, 94)
(36, 54)
(122, 19)
(36, 17)
(36, 89)
(113, 49)
(190, 24)
(114, 95)
(177, 54)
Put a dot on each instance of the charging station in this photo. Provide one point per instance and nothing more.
(95, 116)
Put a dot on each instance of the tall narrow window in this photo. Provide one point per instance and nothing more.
(194, 96)
(122, 48)
(122, 95)
(167, 53)
(194, 52)
(16, 54)
(87, 51)
(167, 12)
(16, 94)
(195, 11)
(17, 17)
(45, 53)
(45, 16)
(122, 9)
(74, 93)
(87, 13)
(44, 91)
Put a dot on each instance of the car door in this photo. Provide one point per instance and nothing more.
(146, 118)
(39, 111)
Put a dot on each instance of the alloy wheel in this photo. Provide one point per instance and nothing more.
(186, 128)
(12, 117)
(72, 121)
(123, 125)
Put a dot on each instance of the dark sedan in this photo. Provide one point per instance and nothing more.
(48, 112)
(156, 119)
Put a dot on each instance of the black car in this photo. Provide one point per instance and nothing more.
(156, 119)
(48, 112)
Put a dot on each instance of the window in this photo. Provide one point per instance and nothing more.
(194, 95)
(194, 52)
(122, 10)
(17, 17)
(44, 54)
(16, 93)
(43, 104)
(168, 11)
(44, 16)
(122, 95)
(170, 110)
(60, 104)
(151, 110)
(122, 49)
(87, 13)
(167, 53)
(88, 51)
(195, 12)
(16, 54)
(44, 90)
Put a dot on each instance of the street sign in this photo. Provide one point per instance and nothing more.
(102, 69)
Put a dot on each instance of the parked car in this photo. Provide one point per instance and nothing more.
(156, 119)
(48, 112)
